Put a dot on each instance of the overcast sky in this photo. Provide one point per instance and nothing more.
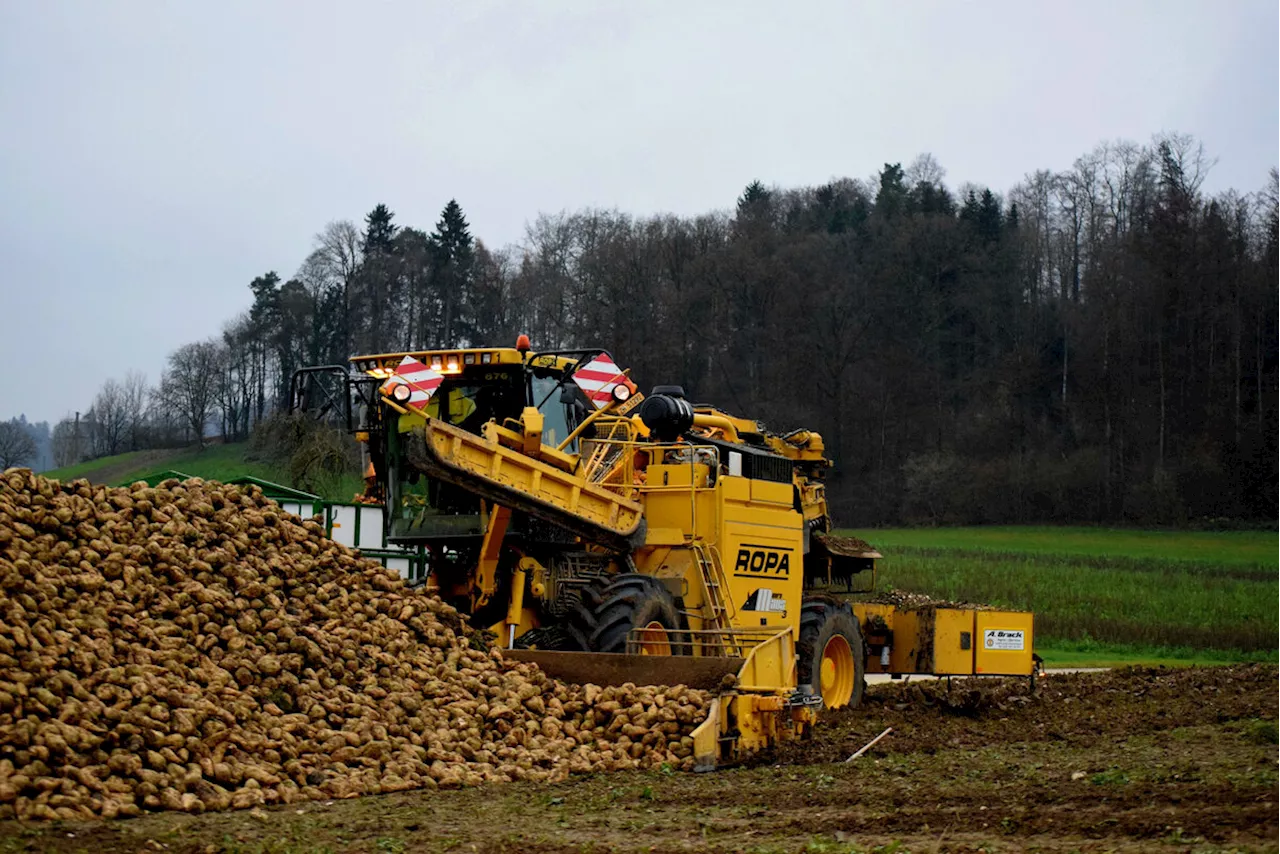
(155, 157)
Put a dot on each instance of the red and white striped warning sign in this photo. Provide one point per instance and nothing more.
(421, 381)
(597, 379)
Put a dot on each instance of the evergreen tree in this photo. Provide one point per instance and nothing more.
(378, 297)
(891, 198)
(990, 222)
(971, 210)
(264, 318)
(454, 262)
(930, 199)
(379, 231)
(754, 195)
(755, 211)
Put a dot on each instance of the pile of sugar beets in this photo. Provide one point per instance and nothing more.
(193, 647)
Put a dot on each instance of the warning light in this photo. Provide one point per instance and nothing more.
(523, 345)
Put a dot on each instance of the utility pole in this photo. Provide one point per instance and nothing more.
(75, 442)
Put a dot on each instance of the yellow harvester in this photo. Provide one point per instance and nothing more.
(615, 537)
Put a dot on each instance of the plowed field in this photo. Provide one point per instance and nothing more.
(1130, 760)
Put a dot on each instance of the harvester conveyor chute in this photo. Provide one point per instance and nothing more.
(512, 479)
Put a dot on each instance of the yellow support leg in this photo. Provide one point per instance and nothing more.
(490, 550)
(515, 607)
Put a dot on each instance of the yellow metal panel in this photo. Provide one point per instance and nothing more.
(677, 474)
(1003, 642)
(735, 488)
(867, 611)
(950, 628)
(676, 509)
(655, 536)
(706, 738)
(770, 666)
(761, 548)
(776, 493)
(904, 655)
(667, 475)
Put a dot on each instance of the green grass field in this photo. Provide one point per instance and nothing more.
(1104, 596)
(130, 460)
(217, 462)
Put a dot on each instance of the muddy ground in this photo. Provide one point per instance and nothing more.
(1139, 759)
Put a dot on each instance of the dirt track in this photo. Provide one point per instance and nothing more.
(1129, 760)
(141, 462)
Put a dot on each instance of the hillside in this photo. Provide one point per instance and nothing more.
(217, 462)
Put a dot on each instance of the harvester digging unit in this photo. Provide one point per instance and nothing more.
(614, 537)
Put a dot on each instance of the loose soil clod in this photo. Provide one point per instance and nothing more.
(193, 647)
(907, 600)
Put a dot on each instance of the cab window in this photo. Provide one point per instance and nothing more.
(558, 418)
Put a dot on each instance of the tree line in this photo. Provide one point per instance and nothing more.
(23, 442)
(1094, 345)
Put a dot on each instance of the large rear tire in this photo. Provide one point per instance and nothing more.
(635, 601)
(580, 623)
(832, 654)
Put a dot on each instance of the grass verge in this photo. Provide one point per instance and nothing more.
(1092, 654)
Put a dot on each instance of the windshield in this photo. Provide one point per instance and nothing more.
(558, 418)
(470, 405)
(421, 507)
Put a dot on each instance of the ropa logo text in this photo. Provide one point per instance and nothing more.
(762, 562)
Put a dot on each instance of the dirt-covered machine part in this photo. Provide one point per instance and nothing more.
(614, 537)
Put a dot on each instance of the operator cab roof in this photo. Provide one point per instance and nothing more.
(455, 360)
(451, 361)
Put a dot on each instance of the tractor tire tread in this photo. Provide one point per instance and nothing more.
(820, 618)
(627, 601)
(581, 623)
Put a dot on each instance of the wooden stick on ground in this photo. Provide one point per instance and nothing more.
(869, 744)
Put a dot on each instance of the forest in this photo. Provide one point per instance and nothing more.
(1096, 345)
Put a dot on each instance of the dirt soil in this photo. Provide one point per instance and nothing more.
(1137, 759)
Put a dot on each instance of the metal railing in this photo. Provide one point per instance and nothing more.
(710, 643)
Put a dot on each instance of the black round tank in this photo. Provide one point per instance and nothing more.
(668, 417)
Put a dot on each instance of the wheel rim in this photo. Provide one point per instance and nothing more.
(837, 672)
(653, 639)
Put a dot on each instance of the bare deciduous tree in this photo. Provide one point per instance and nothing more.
(64, 444)
(109, 419)
(133, 394)
(925, 169)
(189, 387)
(339, 246)
(338, 252)
(16, 445)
